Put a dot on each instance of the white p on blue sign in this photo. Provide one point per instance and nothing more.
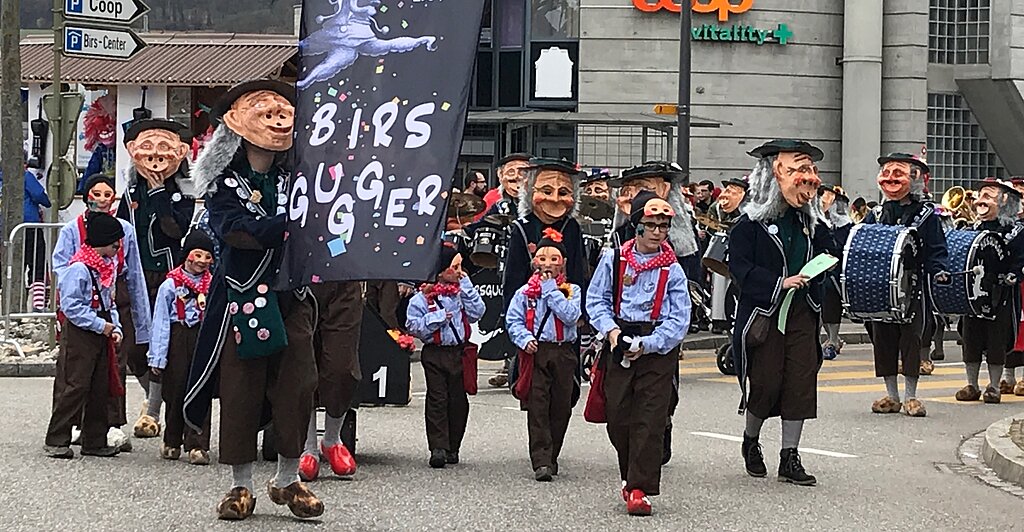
(116, 11)
(101, 43)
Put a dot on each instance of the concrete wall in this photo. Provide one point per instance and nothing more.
(904, 77)
(629, 62)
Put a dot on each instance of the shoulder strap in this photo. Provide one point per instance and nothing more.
(526, 241)
(926, 210)
(659, 293)
(96, 288)
(618, 270)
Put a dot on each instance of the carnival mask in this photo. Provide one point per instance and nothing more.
(894, 179)
(264, 118)
(798, 178)
(827, 199)
(198, 261)
(987, 203)
(552, 196)
(731, 198)
(100, 197)
(631, 188)
(453, 273)
(549, 260)
(597, 189)
(157, 154)
(510, 176)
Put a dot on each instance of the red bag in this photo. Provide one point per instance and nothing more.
(116, 389)
(595, 409)
(524, 382)
(470, 354)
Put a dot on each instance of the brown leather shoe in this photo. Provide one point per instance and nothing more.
(886, 405)
(991, 396)
(968, 393)
(1005, 388)
(299, 499)
(236, 505)
(927, 367)
(1018, 389)
(915, 408)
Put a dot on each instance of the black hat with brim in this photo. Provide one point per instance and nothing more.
(1006, 186)
(778, 146)
(742, 183)
(225, 102)
(904, 158)
(155, 123)
(524, 157)
(597, 174)
(835, 189)
(670, 172)
(556, 165)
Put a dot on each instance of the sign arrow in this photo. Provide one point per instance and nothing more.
(101, 43)
(117, 11)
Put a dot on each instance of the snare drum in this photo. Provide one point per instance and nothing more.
(970, 294)
(879, 277)
(486, 241)
(716, 258)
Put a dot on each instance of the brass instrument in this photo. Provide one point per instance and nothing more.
(858, 215)
(960, 202)
(714, 225)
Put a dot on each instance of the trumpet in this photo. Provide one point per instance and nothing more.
(960, 202)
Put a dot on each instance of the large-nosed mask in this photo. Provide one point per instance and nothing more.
(988, 202)
(157, 154)
(731, 198)
(511, 176)
(264, 118)
(553, 196)
(895, 178)
(797, 176)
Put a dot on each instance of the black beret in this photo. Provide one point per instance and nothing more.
(195, 240)
(102, 229)
(552, 240)
(448, 253)
(670, 172)
(905, 158)
(155, 123)
(96, 179)
(636, 206)
(778, 146)
(225, 102)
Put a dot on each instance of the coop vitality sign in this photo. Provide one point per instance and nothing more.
(735, 33)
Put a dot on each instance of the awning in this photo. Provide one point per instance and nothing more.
(589, 119)
(169, 59)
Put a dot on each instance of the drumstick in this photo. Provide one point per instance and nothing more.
(977, 270)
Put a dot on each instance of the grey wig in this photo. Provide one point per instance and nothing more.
(838, 214)
(1009, 206)
(764, 200)
(216, 156)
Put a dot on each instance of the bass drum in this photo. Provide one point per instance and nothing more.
(879, 277)
(716, 258)
(978, 253)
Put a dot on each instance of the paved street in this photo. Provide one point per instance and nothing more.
(875, 473)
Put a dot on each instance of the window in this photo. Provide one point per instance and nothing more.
(179, 105)
(555, 19)
(958, 32)
(958, 152)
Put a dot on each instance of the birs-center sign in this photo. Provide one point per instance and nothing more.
(734, 33)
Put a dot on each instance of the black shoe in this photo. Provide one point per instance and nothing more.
(55, 451)
(753, 458)
(542, 474)
(451, 457)
(666, 449)
(554, 469)
(719, 327)
(100, 451)
(791, 470)
(937, 355)
(437, 458)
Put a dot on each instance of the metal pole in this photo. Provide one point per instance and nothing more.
(11, 149)
(55, 125)
(683, 145)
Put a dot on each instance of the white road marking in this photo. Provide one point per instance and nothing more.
(808, 450)
(949, 364)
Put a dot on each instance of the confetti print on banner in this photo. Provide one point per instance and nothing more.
(332, 92)
(401, 240)
(380, 69)
(420, 240)
(336, 246)
(446, 106)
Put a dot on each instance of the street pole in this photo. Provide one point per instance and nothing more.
(11, 144)
(55, 125)
(683, 145)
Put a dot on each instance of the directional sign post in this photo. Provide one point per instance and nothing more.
(100, 43)
(116, 11)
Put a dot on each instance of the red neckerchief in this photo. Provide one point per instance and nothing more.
(88, 256)
(121, 266)
(533, 285)
(181, 277)
(663, 259)
(431, 291)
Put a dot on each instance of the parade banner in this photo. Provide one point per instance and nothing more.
(382, 94)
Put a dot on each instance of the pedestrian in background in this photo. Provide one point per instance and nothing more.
(35, 201)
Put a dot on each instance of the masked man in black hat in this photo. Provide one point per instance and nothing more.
(257, 344)
(997, 205)
(161, 214)
(725, 211)
(778, 234)
(901, 179)
(835, 204)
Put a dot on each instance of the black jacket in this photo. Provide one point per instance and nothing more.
(167, 225)
(518, 260)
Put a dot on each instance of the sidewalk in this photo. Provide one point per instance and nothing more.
(1003, 449)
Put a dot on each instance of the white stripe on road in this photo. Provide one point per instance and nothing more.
(808, 450)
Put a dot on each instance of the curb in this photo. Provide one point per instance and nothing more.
(1000, 452)
(28, 369)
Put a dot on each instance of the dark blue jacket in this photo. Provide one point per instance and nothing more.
(35, 197)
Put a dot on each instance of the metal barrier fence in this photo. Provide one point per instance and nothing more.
(36, 300)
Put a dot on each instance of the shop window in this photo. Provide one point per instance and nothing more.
(179, 105)
(512, 23)
(958, 32)
(555, 19)
(510, 79)
(958, 151)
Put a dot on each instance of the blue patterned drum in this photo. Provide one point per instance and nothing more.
(878, 279)
(973, 257)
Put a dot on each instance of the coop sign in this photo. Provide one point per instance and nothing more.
(721, 32)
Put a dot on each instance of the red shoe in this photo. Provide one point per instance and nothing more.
(638, 503)
(342, 462)
(309, 467)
